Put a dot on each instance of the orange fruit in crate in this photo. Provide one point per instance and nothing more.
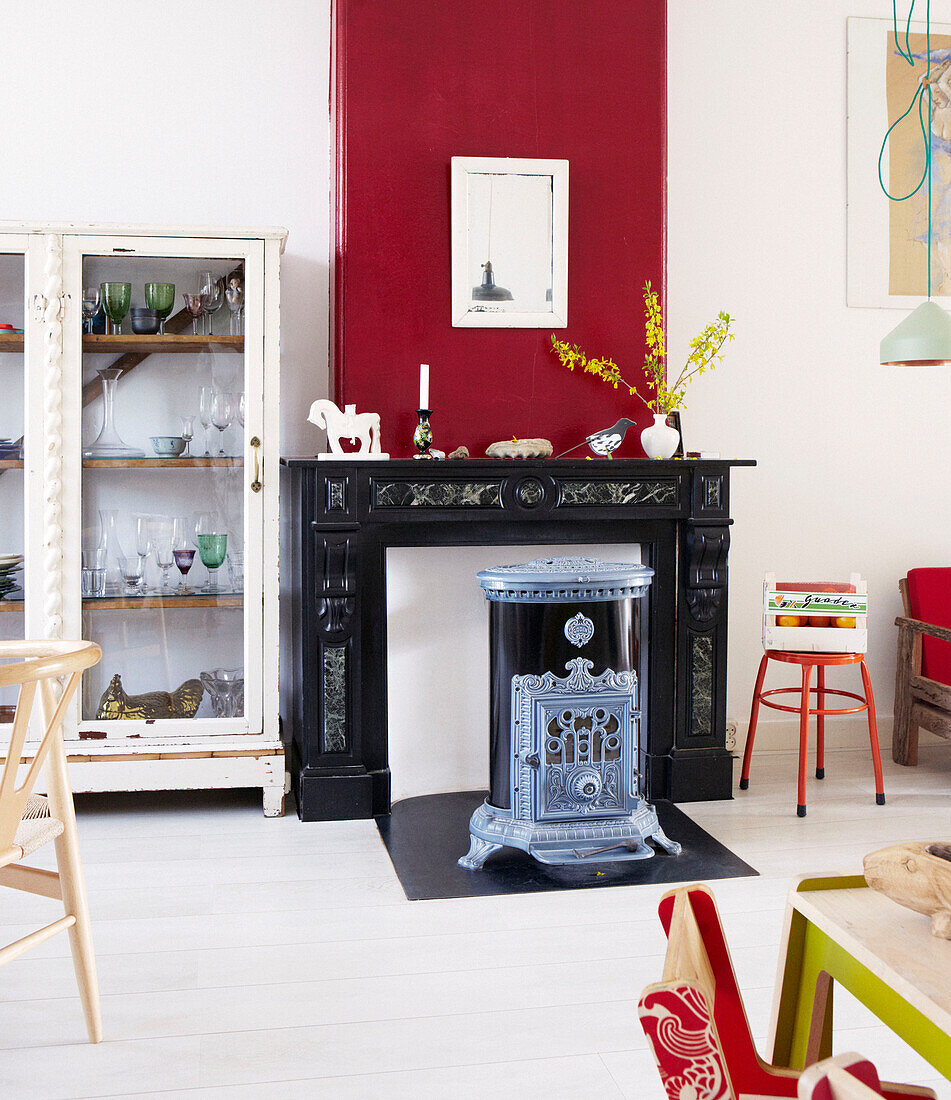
(819, 620)
(845, 622)
(788, 620)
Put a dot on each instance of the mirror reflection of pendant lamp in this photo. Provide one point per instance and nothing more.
(488, 291)
(923, 338)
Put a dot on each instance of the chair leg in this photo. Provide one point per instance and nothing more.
(873, 735)
(804, 737)
(80, 935)
(820, 722)
(751, 732)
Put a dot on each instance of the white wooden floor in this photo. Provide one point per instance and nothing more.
(245, 957)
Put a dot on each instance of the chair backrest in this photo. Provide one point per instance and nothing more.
(36, 667)
(929, 598)
(677, 1013)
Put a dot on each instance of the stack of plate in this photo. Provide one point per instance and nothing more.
(9, 583)
(9, 448)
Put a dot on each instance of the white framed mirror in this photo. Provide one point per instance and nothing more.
(509, 243)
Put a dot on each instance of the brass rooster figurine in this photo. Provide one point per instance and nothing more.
(183, 702)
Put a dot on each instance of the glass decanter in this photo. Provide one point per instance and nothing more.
(108, 443)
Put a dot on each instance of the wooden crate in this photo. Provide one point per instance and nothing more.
(811, 600)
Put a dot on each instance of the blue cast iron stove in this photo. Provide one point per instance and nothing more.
(564, 782)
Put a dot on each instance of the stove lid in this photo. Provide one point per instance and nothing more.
(565, 580)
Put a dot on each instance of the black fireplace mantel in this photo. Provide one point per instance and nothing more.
(339, 517)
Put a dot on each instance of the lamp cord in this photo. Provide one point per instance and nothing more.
(917, 100)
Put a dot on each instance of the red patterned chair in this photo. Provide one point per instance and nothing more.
(923, 672)
(695, 1021)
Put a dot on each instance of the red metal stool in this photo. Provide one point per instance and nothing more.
(819, 662)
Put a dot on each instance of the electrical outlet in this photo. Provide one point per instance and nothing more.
(730, 744)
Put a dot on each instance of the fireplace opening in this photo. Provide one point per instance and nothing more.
(438, 702)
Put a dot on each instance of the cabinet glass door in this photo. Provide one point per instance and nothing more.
(13, 429)
(171, 383)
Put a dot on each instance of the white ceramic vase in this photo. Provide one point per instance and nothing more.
(659, 440)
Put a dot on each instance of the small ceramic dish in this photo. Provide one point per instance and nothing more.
(145, 322)
(167, 446)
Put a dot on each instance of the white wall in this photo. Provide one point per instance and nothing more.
(115, 116)
(203, 115)
(852, 455)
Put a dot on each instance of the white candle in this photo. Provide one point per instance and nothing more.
(424, 385)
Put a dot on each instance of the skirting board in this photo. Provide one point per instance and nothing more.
(782, 734)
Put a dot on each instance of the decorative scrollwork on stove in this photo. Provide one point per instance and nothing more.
(334, 612)
(659, 492)
(579, 630)
(437, 494)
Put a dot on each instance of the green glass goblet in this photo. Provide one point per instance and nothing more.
(212, 550)
(116, 299)
(160, 297)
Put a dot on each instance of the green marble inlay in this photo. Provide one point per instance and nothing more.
(701, 685)
(334, 675)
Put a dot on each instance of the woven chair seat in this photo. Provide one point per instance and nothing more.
(36, 827)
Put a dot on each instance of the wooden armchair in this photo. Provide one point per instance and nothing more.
(923, 673)
(47, 673)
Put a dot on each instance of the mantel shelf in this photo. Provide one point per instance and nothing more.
(146, 603)
(157, 463)
(170, 342)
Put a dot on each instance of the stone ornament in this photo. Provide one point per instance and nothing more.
(520, 448)
(348, 424)
(460, 452)
(918, 876)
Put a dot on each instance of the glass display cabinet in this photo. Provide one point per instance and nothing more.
(138, 483)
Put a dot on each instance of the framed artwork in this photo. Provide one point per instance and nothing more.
(887, 241)
(509, 243)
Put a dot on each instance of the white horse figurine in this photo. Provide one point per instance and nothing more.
(348, 424)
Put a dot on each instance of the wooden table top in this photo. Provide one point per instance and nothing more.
(893, 942)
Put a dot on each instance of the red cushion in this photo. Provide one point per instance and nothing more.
(929, 593)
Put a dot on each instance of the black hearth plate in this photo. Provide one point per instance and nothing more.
(425, 836)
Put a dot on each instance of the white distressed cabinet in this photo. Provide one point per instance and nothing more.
(57, 499)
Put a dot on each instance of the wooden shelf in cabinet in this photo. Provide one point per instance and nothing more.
(159, 463)
(150, 603)
(12, 342)
(145, 603)
(11, 463)
(153, 345)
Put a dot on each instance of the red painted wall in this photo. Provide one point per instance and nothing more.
(420, 81)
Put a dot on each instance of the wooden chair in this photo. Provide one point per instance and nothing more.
(28, 821)
(695, 1020)
(923, 673)
(845, 1077)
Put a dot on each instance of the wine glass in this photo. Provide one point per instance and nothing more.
(90, 306)
(195, 304)
(116, 299)
(204, 412)
(222, 414)
(188, 433)
(234, 296)
(212, 547)
(143, 543)
(161, 538)
(241, 410)
(183, 548)
(213, 290)
(160, 297)
(130, 570)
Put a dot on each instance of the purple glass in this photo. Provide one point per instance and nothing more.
(184, 559)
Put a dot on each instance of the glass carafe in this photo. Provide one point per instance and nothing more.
(109, 541)
(108, 443)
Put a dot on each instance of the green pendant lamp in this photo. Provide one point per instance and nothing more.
(923, 339)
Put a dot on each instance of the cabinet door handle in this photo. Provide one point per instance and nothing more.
(256, 483)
